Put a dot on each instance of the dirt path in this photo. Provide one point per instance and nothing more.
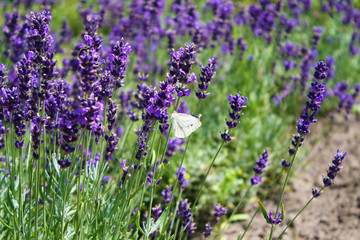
(336, 213)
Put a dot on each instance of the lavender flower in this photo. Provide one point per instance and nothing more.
(3, 73)
(285, 164)
(69, 130)
(89, 116)
(208, 230)
(119, 59)
(346, 100)
(315, 193)
(141, 143)
(260, 167)
(111, 115)
(39, 37)
(35, 134)
(112, 142)
(24, 69)
(167, 194)
(184, 211)
(181, 177)
(313, 105)
(330, 62)
(2, 132)
(172, 146)
(64, 163)
(65, 36)
(191, 227)
(316, 37)
(275, 221)
(89, 63)
(289, 65)
(334, 168)
(237, 104)
(219, 211)
(156, 213)
(207, 74)
(180, 66)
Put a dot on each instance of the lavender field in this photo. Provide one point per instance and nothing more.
(154, 119)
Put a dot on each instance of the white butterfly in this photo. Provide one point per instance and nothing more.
(184, 124)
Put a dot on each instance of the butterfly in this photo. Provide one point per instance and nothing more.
(184, 124)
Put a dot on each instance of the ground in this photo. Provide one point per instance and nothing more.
(336, 213)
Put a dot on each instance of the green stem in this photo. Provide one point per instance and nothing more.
(207, 173)
(266, 195)
(288, 225)
(285, 183)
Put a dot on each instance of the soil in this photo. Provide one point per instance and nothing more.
(335, 214)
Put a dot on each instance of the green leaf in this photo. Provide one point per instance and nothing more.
(239, 217)
(162, 220)
(262, 208)
(282, 212)
(138, 222)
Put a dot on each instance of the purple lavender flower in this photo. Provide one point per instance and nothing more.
(15, 36)
(64, 163)
(237, 104)
(315, 193)
(172, 147)
(89, 64)
(316, 37)
(119, 59)
(180, 66)
(208, 230)
(260, 167)
(112, 142)
(346, 100)
(91, 20)
(191, 227)
(184, 211)
(35, 134)
(285, 164)
(330, 62)
(320, 70)
(207, 74)
(24, 70)
(3, 73)
(89, 116)
(111, 115)
(275, 221)
(241, 18)
(334, 168)
(38, 33)
(289, 65)
(313, 105)
(2, 132)
(219, 211)
(181, 177)
(353, 49)
(141, 142)
(167, 194)
(156, 213)
(69, 130)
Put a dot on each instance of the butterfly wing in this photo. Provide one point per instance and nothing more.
(178, 129)
(184, 124)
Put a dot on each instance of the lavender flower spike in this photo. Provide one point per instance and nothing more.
(208, 230)
(313, 105)
(219, 212)
(207, 73)
(237, 104)
(334, 168)
(259, 168)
